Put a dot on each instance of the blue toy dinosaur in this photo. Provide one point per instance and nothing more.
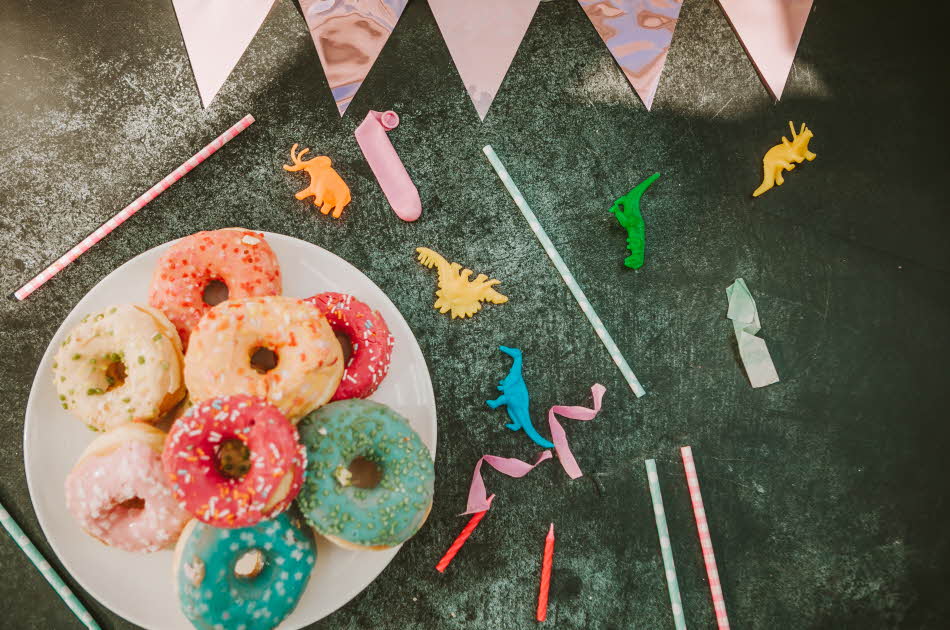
(514, 395)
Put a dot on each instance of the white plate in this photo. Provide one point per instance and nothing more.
(139, 586)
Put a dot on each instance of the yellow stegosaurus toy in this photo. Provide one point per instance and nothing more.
(456, 292)
(784, 157)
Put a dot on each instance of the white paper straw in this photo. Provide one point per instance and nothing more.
(566, 274)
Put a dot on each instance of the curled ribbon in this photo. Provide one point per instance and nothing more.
(477, 495)
(557, 431)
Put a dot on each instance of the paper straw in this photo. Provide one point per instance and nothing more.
(671, 583)
(43, 566)
(103, 230)
(696, 498)
(566, 275)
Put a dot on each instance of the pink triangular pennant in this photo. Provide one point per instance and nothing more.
(349, 34)
(483, 37)
(769, 31)
(638, 34)
(216, 34)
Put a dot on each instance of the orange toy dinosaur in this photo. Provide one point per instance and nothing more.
(327, 188)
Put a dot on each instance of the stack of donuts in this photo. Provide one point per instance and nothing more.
(268, 430)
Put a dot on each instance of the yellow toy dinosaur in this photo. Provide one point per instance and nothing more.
(784, 157)
(456, 292)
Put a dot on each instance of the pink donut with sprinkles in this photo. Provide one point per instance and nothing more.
(370, 339)
(238, 258)
(118, 492)
(234, 461)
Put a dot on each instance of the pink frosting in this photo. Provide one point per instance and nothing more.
(275, 453)
(96, 489)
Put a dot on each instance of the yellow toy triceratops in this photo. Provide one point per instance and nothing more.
(784, 157)
(456, 292)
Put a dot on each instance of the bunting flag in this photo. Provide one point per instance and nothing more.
(349, 34)
(216, 34)
(769, 31)
(638, 34)
(483, 37)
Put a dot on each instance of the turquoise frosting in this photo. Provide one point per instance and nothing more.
(385, 515)
(213, 597)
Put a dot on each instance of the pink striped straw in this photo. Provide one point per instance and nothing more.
(696, 498)
(103, 230)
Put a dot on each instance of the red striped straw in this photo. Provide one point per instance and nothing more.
(696, 498)
(103, 230)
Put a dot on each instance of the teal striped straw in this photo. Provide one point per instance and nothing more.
(43, 566)
(566, 274)
(671, 583)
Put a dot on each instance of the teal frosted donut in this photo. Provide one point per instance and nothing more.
(358, 518)
(242, 579)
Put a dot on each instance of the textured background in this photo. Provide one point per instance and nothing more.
(826, 492)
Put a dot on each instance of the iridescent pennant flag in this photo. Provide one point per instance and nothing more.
(769, 31)
(216, 34)
(349, 35)
(483, 37)
(638, 34)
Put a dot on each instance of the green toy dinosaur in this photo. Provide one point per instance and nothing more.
(627, 211)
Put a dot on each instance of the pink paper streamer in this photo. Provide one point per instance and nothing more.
(216, 34)
(477, 499)
(349, 35)
(557, 431)
(483, 36)
(386, 165)
(769, 31)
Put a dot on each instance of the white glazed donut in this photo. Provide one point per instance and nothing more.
(309, 359)
(120, 365)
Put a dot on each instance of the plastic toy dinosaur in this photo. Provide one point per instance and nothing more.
(514, 395)
(627, 211)
(784, 157)
(456, 292)
(327, 188)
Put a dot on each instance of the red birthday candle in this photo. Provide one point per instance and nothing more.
(546, 574)
(462, 537)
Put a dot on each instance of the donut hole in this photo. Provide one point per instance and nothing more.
(364, 473)
(233, 458)
(263, 359)
(345, 344)
(214, 293)
(115, 375)
(135, 504)
(249, 564)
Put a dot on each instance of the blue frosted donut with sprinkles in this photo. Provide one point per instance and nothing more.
(388, 498)
(243, 579)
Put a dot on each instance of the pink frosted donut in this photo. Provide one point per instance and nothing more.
(234, 461)
(370, 340)
(238, 258)
(118, 491)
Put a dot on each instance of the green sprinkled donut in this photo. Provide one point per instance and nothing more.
(340, 506)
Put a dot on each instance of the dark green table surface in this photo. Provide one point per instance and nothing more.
(826, 492)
